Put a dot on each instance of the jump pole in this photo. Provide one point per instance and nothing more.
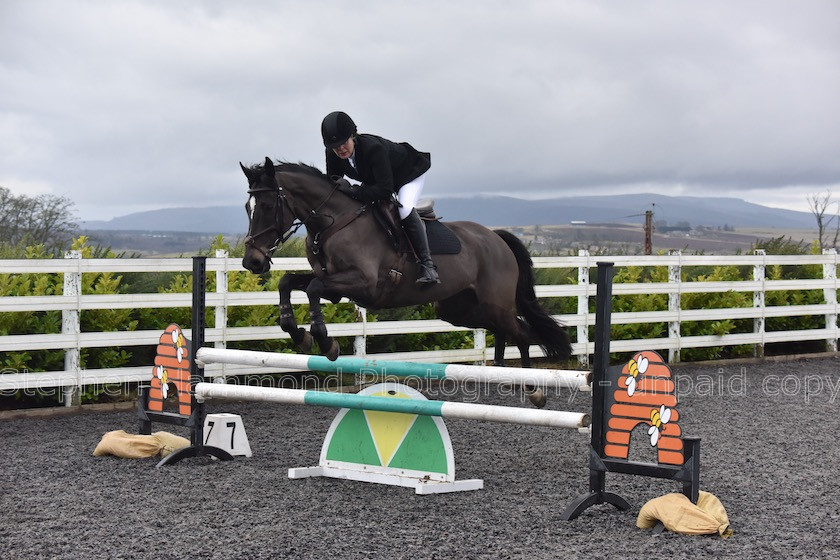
(455, 372)
(445, 409)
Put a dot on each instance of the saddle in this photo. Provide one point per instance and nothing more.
(442, 241)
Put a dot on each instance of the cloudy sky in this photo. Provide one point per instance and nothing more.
(128, 105)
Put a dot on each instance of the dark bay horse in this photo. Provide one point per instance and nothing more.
(489, 284)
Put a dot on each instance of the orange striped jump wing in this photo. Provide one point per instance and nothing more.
(641, 388)
(172, 368)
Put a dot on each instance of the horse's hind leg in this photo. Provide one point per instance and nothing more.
(288, 283)
(499, 350)
(535, 394)
(514, 328)
(464, 310)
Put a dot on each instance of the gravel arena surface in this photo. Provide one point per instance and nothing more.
(769, 453)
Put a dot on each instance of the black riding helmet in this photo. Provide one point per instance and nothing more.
(336, 128)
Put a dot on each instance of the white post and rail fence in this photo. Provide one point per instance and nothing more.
(72, 303)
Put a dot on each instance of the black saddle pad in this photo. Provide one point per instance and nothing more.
(441, 239)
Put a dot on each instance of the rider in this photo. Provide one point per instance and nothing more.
(384, 168)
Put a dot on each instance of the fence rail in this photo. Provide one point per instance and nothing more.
(72, 303)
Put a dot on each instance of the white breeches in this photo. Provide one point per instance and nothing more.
(409, 194)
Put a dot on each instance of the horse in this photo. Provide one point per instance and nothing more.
(488, 284)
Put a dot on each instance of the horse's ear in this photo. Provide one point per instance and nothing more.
(245, 170)
(269, 166)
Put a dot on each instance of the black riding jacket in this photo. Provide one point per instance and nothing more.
(381, 165)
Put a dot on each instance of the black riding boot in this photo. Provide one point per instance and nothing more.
(415, 230)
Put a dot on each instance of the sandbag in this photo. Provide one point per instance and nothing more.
(170, 442)
(678, 514)
(138, 446)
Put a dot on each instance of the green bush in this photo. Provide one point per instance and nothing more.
(47, 322)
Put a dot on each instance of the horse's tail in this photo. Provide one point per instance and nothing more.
(547, 332)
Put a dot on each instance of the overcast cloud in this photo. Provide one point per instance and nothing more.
(126, 106)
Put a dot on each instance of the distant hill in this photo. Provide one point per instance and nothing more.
(496, 211)
(509, 211)
(213, 219)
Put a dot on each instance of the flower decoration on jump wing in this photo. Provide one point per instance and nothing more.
(163, 376)
(180, 344)
(637, 365)
(658, 418)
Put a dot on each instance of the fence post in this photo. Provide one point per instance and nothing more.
(583, 309)
(221, 310)
(71, 324)
(480, 343)
(360, 342)
(830, 294)
(674, 305)
(759, 275)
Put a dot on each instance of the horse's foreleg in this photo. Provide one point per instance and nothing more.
(329, 347)
(288, 283)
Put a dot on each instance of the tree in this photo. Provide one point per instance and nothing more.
(819, 203)
(46, 220)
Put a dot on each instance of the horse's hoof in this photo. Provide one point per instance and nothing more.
(306, 342)
(536, 396)
(334, 351)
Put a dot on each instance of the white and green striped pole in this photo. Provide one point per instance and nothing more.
(446, 409)
(457, 372)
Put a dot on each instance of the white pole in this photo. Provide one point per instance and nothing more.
(574, 379)
(470, 411)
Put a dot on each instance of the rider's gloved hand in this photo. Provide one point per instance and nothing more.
(344, 186)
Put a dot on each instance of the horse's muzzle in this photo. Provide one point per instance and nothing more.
(256, 264)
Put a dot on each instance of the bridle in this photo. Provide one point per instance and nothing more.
(250, 239)
(281, 237)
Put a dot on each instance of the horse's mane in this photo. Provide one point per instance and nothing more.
(289, 167)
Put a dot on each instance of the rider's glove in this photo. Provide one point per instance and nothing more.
(344, 186)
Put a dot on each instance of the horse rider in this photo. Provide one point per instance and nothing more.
(384, 168)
